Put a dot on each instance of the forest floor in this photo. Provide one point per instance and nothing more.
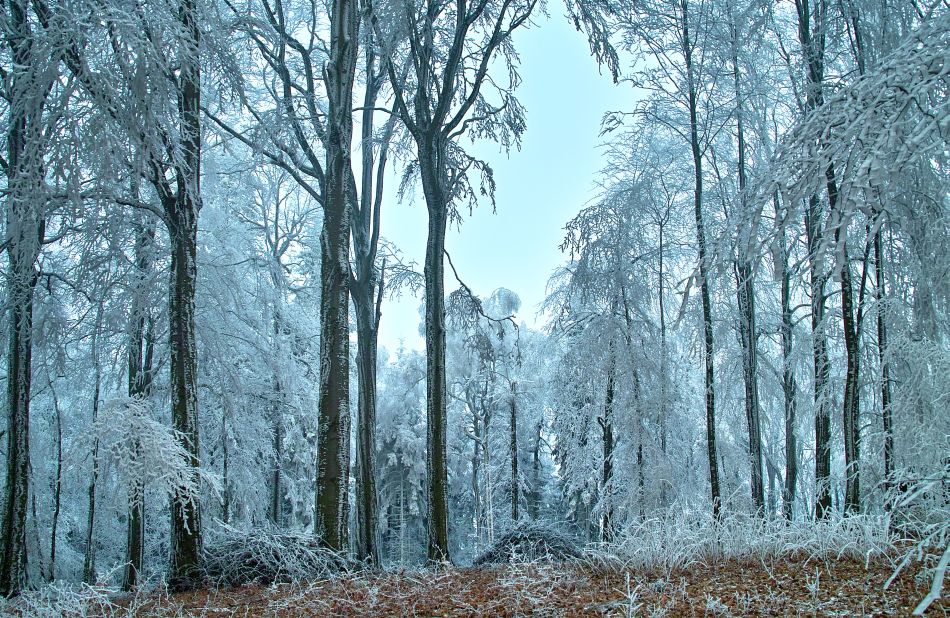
(791, 585)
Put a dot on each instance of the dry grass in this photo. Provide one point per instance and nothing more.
(791, 585)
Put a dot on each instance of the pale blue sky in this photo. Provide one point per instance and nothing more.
(540, 187)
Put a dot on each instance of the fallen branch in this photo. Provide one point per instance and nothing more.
(937, 585)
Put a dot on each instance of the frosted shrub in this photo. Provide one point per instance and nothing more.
(267, 557)
(143, 450)
(528, 543)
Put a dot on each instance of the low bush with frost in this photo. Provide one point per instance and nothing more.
(530, 543)
(240, 557)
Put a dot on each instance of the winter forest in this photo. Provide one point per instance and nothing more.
(740, 361)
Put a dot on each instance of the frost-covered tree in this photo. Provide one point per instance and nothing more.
(448, 92)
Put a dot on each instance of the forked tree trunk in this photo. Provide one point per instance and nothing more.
(368, 287)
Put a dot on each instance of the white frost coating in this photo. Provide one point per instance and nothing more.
(143, 450)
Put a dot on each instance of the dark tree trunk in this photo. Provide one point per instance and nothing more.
(89, 559)
(25, 228)
(747, 336)
(140, 355)
(57, 486)
(664, 377)
(813, 48)
(882, 359)
(534, 502)
(789, 386)
(745, 291)
(607, 430)
(431, 160)
(820, 360)
(476, 463)
(277, 420)
(513, 446)
(367, 287)
(852, 400)
(225, 471)
(20, 289)
(709, 375)
(182, 218)
(186, 513)
(367, 322)
(334, 422)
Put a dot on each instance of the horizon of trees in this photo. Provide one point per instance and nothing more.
(751, 318)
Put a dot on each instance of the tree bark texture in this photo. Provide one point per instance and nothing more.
(882, 359)
(513, 447)
(366, 508)
(332, 504)
(709, 375)
(25, 229)
(181, 215)
(811, 35)
(607, 433)
(745, 291)
(140, 355)
(432, 164)
(789, 386)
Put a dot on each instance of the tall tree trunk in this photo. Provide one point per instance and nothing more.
(186, 513)
(182, 217)
(607, 430)
(57, 484)
(820, 361)
(367, 322)
(21, 283)
(513, 447)
(852, 400)
(745, 291)
(140, 354)
(89, 560)
(334, 422)
(368, 287)
(432, 164)
(789, 386)
(225, 470)
(882, 359)
(710, 395)
(25, 229)
(813, 48)
(664, 378)
(476, 464)
(277, 421)
(534, 503)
